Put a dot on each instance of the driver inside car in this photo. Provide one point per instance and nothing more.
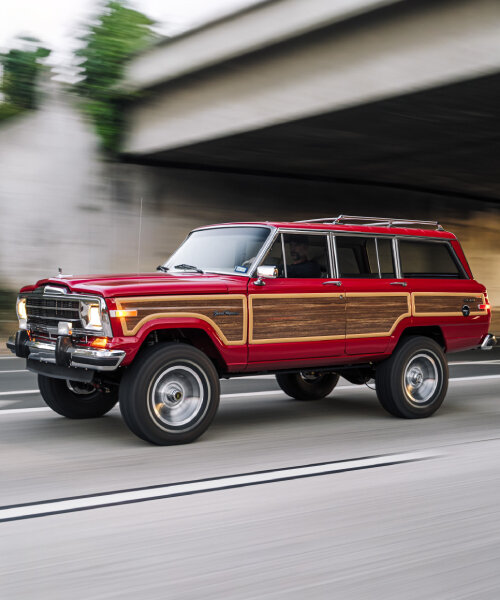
(301, 266)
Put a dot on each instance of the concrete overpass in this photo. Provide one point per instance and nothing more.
(382, 92)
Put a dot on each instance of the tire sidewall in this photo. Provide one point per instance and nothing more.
(404, 403)
(136, 403)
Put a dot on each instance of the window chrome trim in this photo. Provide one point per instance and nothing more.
(397, 261)
(454, 257)
(283, 253)
(378, 259)
(324, 233)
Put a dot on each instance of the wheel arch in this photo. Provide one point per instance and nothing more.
(431, 331)
(193, 336)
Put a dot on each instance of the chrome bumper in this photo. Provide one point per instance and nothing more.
(67, 355)
(489, 341)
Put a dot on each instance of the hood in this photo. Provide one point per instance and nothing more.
(146, 284)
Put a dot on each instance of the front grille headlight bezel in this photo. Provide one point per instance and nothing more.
(94, 316)
(85, 327)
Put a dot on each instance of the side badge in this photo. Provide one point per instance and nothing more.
(465, 310)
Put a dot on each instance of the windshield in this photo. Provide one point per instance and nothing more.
(221, 250)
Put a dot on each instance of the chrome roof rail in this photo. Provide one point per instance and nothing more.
(375, 221)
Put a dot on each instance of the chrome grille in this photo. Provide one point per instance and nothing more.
(49, 311)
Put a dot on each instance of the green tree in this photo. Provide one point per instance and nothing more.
(110, 41)
(21, 70)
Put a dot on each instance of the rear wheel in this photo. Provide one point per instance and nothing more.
(170, 395)
(307, 385)
(413, 382)
(76, 400)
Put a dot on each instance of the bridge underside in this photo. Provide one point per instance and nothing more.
(445, 140)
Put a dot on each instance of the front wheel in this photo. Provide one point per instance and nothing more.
(307, 385)
(413, 382)
(76, 400)
(170, 395)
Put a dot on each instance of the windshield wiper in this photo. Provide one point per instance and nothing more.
(162, 268)
(188, 268)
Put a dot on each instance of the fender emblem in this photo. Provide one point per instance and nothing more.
(225, 313)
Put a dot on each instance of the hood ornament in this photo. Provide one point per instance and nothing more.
(60, 273)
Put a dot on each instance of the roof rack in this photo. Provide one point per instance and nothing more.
(375, 221)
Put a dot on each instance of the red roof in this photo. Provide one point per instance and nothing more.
(358, 228)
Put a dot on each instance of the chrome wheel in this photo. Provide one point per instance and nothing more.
(421, 378)
(177, 397)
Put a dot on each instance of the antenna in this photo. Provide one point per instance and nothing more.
(139, 241)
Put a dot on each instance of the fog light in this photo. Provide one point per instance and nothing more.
(64, 328)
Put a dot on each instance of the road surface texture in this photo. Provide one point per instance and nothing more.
(352, 504)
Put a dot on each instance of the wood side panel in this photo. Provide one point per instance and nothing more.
(208, 308)
(370, 315)
(281, 317)
(426, 303)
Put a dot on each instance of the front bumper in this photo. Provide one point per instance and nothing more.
(64, 353)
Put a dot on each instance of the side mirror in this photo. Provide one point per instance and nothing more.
(265, 272)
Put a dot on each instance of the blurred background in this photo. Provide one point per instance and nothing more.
(123, 125)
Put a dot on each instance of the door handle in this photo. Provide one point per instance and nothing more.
(332, 283)
(403, 283)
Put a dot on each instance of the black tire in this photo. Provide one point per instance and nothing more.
(307, 386)
(413, 382)
(170, 394)
(76, 400)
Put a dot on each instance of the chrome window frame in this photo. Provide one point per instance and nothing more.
(375, 237)
(420, 239)
(325, 233)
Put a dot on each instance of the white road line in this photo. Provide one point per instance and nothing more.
(16, 411)
(20, 392)
(10, 513)
(479, 377)
(15, 371)
(475, 362)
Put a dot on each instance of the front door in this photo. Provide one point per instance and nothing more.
(301, 314)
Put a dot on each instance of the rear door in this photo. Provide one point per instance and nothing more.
(377, 301)
(301, 314)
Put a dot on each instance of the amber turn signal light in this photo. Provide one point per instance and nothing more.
(123, 313)
(99, 342)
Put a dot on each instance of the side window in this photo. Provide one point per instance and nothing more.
(428, 260)
(387, 269)
(274, 257)
(306, 256)
(357, 257)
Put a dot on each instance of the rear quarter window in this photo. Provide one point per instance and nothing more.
(428, 260)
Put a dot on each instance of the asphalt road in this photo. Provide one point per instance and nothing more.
(421, 519)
